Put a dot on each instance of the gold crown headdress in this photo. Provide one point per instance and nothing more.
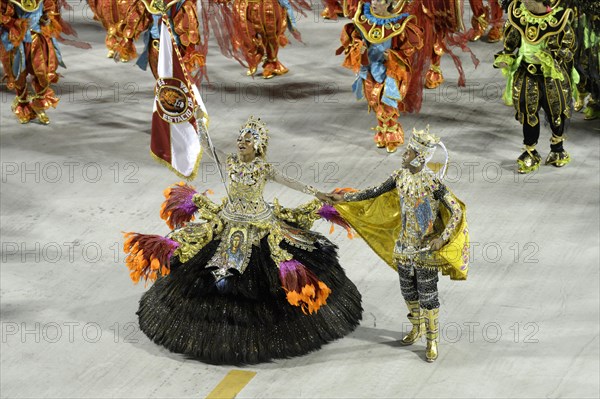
(424, 144)
(259, 132)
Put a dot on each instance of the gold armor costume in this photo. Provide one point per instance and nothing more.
(400, 219)
(382, 51)
(538, 62)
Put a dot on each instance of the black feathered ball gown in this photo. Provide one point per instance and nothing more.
(248, 284)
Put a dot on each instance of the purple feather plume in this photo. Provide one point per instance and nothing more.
(329, 213)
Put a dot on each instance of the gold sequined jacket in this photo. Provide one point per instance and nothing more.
(421, 195)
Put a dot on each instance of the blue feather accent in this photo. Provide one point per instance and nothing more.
(381, 21)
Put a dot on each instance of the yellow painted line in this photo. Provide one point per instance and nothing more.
(232, 384)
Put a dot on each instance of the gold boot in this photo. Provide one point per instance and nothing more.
(558, 158)
(251, 71)
(379, 138)
(579, 101)
(415, 316)
(592, 111)
(42, 117)
(272, 68)
(432, 334)
(480, 25)
(434, 77)
(393, 139)
(529, 160)
(495, 34)
(381, 129)
(22, 109)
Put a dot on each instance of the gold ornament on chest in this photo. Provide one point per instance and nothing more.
(158, 6)
(532, 33)
(27, 5)
(375, 33)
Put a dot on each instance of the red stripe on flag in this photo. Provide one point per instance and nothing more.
(160, 140)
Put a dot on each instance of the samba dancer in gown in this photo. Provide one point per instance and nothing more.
(225, 309)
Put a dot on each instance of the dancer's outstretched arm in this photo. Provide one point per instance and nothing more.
(370, 192)
(294, 184)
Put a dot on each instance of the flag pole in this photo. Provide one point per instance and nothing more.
(215, 156)
(199, 108)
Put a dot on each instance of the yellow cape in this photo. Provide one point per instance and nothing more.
(378, 222)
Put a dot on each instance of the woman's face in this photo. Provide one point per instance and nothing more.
(245, 143)
(235, 242)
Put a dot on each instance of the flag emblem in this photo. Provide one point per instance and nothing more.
(176, 105)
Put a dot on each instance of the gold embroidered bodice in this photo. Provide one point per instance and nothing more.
(247, 182)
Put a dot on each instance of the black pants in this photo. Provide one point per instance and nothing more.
(420, 286)
(531, 133)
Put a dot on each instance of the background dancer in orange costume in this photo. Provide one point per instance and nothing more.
(483, 17)
(442, 21)
(381, 45)
(260, 32)
(143, 18)
(333, 9)
(110, 13)
(29, 35)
